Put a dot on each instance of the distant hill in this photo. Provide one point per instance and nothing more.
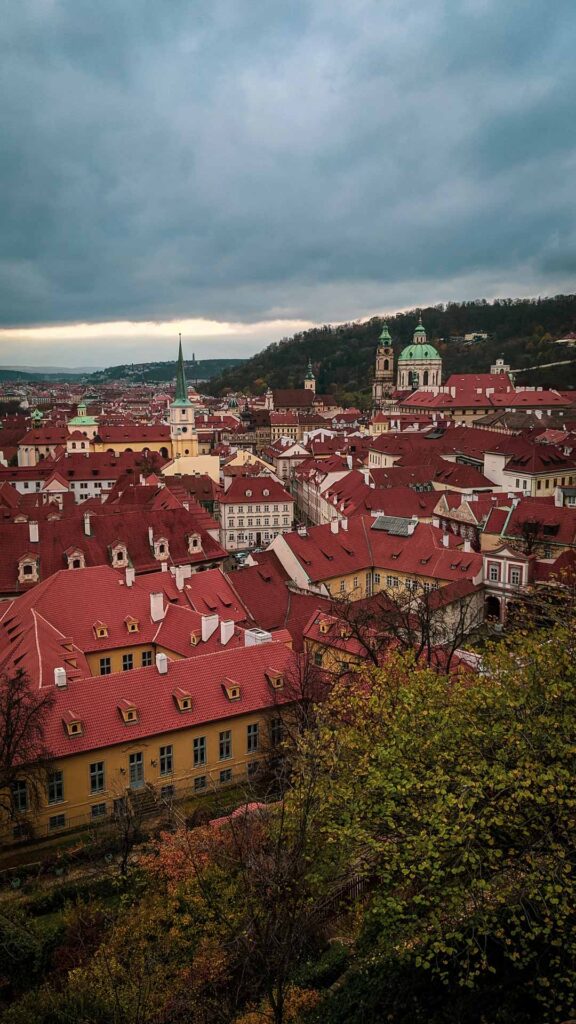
(9, 374)
(201, 369)
(520, 330)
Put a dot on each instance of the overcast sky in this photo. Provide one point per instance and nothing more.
(237, 169)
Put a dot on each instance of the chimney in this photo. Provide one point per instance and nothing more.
(435, 522)
(302, 531)
(334, 526)
(186, 505)
(226, 631)
(151, 536)
(130, 575)
(467, 547)
(558, 498)
(349, 461)
(60, 678)
(33, 532)
(412, 525)
(343, 524)
(87, 529)
(157, 607)
(209, 626)
(179, 577)
(162, 663)
(445, 540)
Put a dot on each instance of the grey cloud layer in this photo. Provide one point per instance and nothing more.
(241, 159)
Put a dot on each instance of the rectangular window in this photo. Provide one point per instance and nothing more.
(19, 795)
(98, 811)
(105, 666)
(515, 576)
(166, 760)
(97, 777)
(200, 782)
(494, 573)
(391, 581)
(342, 586)
(55, 787)
(57, 821)
(355, 583)
(199, 751)
(146, 659)
(411, 585)
(127, 662)
(226, 775)
(276, 731)
(252, 738)
(225, 745)
(377, 578)
(318, 658)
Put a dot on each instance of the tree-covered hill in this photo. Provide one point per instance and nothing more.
(199, 369)
(523, 331)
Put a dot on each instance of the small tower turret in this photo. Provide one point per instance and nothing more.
(310, 379)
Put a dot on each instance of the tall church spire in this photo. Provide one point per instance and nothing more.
(181, 386)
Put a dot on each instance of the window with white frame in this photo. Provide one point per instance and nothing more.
(493, 573)
(515, 575)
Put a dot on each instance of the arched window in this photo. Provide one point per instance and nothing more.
(386, 364)
(425, 377)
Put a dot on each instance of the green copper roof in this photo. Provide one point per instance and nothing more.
(418, 351)
(309, 375)
(385, 335)
(181, 386)
(420, 328)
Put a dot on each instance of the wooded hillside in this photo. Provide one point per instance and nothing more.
(524, 331)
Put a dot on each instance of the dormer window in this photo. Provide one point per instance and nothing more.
(100, 630)
(161, 550)
(194, 639)
(231, 689)
(182, 699)
(75, 560)
(129, 711)
(119, 555)
(194, 543)
(28, 569)
(275, 678)
(72, 723)
(132, 625)
(324, 625)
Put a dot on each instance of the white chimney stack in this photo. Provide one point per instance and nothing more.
(445, 540)
(334, 526)
(209, 626)
(33, 532)
(343, 524)
(467, 547)
(179, 577)
(162, 663)
(157, 607)
(60, 678)
(87, 529)
(130, 575)
(226, 631)
(151, 536)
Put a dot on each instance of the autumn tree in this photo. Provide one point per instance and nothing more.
(456, 796)
(24, 760)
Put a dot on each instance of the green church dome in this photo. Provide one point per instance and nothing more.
(418, 351)
(385, 338)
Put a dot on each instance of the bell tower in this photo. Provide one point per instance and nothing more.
(310, 379)
(182, 424)
(383, 381)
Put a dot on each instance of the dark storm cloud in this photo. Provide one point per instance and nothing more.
(243, 160)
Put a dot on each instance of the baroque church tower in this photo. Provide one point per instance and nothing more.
(310, 379)
(383, 381)
(182, 424)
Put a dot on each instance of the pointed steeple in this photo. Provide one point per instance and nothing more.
(310, 373)
(385, 338)
(181, 386)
